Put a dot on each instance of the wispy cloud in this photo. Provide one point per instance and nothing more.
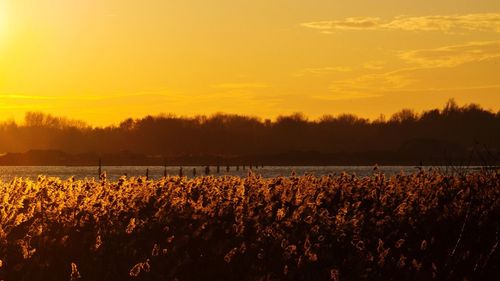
(323, 70)
(370, 85)
(353, 23)
(241, 86)
(420, 72)
(26, 97)
(23, 107)
(447, 23)
(444, 23)
(374, 65)
(346, 96)
(406, 80)
(451, 56)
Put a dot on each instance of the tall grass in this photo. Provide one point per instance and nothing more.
(421, 226)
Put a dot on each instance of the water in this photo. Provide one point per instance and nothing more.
(7, 173)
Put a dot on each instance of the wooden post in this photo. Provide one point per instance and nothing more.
(147, 173)
(218, 169)
(180, 172)
(227, 168)
(194, 172)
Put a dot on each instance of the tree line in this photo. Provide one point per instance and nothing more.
(453, 128)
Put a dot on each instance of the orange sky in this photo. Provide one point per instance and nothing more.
(105, 60)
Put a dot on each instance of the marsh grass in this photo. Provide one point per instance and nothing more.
(404, 227)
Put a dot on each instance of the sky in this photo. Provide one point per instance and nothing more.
(106, 60)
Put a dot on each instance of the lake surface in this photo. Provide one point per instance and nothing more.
(8, 173)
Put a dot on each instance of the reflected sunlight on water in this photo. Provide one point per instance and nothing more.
(114, 172)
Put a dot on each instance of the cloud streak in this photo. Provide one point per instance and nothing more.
(241, 86)
(371, 85)
(488, 22)
(354, 23)
(419, 75)
(396, 82)
(451, 56)
(323, 71)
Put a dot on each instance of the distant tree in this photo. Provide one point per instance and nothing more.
(450, 107)
(42, 120)
(405, 115)
(229, 135)
(127, 124)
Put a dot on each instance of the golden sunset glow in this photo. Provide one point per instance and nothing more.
(3, 21)
(106, 60)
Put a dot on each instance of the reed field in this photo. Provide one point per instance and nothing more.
(422, 226)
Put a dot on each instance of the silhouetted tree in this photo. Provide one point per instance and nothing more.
(231, 135)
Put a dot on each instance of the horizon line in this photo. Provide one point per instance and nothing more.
(297, 114)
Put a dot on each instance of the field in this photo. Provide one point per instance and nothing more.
(421, 226)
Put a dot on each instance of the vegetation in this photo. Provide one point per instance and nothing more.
(422, 226)
(451, 130)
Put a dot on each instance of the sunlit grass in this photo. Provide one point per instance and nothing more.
(419, 226)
